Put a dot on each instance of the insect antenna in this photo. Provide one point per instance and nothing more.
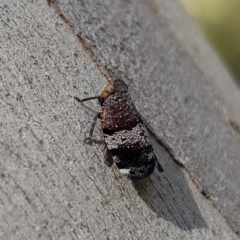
(86, 99)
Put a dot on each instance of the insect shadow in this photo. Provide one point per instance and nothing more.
(168, 193)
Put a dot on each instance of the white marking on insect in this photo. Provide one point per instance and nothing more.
(124, 171)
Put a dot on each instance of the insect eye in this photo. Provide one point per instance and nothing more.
(105, 93)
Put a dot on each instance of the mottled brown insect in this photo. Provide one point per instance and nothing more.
(125, 135)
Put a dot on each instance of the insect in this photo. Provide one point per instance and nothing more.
(125, 136)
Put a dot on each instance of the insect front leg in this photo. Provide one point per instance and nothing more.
(96, 116)
(89, 138)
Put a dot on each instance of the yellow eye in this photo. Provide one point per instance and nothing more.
(108, 90)
(105, 94)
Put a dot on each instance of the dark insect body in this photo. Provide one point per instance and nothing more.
(125, 135)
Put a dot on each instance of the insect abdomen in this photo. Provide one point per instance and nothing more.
(136, 163)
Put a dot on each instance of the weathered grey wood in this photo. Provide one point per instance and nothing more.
(182, 95)
(52, 185)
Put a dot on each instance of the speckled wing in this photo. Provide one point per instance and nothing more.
(126, 136)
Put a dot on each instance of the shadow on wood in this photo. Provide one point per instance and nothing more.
(169, 195)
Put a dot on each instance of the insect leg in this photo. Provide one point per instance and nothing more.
(97, 115)
(89, 139)
(108, 160)
(159, 166)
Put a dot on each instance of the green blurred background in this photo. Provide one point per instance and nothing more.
(220, 22)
